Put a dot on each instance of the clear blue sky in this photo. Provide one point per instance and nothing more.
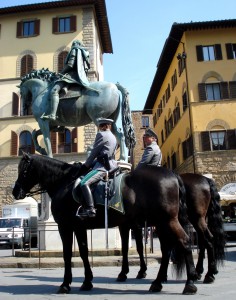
(139, 30)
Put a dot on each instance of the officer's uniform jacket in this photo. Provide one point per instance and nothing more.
(151, 156)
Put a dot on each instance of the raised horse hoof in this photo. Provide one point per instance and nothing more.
(209, 279)
(141, 275)
(121, 277)
(86, 286)
(155, 287)
(190, 289)
(63, 290)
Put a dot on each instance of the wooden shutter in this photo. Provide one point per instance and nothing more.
(37, 27)
(74, 140)
(19, 30)
(15, 104)
(202, 91)
(199, 53)
(53, 136)
(229, 51)
(55, 25)
(14, 143)
(73, 23)
(231, 139)
(232, 89)
(205, 138)
(218, 52)
(224, 90)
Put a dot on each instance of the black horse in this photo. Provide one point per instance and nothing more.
(152, 194)
(204, 213)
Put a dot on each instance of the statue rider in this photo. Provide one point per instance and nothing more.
(76, 69)
(100, 159)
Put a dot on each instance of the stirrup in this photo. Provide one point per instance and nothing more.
(83, 213)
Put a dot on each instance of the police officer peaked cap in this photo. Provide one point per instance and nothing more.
(104, 121)
(150, 132)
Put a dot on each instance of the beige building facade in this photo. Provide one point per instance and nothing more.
(192, 99)
(40, 36)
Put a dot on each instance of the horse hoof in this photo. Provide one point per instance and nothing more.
(63, 290)
(121, 277)
(209, 279)
(198, 276)
(155, 287)
(141, 275)
(190, 289)
(86, 286)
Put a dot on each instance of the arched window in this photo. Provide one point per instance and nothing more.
(25, 142)
(26, 65)
(61, 60)
(64, 141)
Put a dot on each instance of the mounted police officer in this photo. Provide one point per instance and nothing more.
(152, 154)
(75, 70)
(100, 159)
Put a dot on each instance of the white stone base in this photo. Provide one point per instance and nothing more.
(49, 238)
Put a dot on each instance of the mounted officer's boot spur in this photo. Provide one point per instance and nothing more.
(54, 104)
(89, 211)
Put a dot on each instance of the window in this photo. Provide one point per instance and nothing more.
(64, 141)
(176, 114)
(209, 52)
(187, 147)
(174, 80)
(145, 121)
(231, 51)
(173, 161)
(26, 65)
(213, 91)
(185, 101)
(25, 142)
(28, 28)
(218, 140)
(181, 64)
(61, 60)
(64, 24)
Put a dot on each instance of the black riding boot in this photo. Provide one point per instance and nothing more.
(88, 210)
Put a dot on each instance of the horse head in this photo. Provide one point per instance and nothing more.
(26, 179)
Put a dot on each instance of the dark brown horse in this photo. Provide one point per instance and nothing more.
(204, 213)
(151, 194)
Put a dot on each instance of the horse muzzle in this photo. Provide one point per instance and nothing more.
(18, 192)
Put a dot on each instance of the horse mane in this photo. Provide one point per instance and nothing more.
(43, 74)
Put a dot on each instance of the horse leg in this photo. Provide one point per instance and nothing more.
(45, 129)
(81, 236)
(212, 265)
(124, 234)
(38, 148)
(121, 141)
(66, 235)
(137, 230)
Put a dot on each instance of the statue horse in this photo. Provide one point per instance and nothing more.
(101, 99)
(152, 194)
(204, 213)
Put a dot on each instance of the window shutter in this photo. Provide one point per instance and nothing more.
(15, 104)
(14, 143)
(218, 52)
(74, 140)
(199, 53)
(224, 90)
(231, 139)
(229, 51)
(73, 23)
(232, 89)
(19, 29)
(206, 145)
(54, 25)
(53, 136)
(184, 148)
(202, 91)
(37, 27)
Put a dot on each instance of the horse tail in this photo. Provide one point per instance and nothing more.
(177, 252)
(127, 124)
(215, 223)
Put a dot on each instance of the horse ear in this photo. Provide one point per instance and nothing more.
(26, 155)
